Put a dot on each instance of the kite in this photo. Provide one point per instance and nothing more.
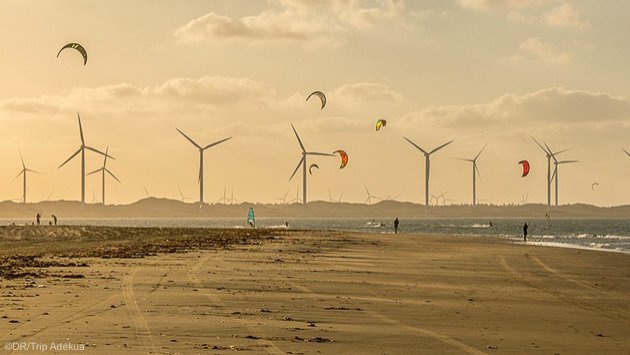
(321, 96)
(593, 185)
(78, 47)
(344, 158)
(525, 164)
(310, 169)
(380, 123)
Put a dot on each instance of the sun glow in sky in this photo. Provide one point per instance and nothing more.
(476, 71)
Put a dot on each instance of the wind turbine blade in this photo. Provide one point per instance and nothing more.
(340, 196)
(94, 172)
(112, 175)
(321, 154)
(366, 190)
(17, 176)
(22, 159)
(481, 151)
(296, 168)
(80, 129)
(217, 142)
(440, 147)
(470, 160)
(33, 171)
(99, 152)
(298, 138)
(628, 153)
(568, 161)
(550, 152)
(477, 170)
(189, 139)
(415, 145)
(553, 176)
(562, 151)
(105, 158)
(72, 156)
(541, 147)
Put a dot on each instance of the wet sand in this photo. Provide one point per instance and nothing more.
(120, 290)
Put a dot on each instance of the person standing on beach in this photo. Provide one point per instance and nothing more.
(396, 222)
(37, 217)
(525, 226)
(54, 219)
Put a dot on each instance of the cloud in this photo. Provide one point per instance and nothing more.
(565, 16)
(502, 4)
(537, 49)
(317, 22)
(360, 93)
(180, 95)
(547, 107)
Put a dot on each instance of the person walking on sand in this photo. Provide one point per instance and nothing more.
(54, 219)
(37, 217)
(396, 222)
(525, 226)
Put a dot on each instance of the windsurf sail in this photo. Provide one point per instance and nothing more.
(250, 218)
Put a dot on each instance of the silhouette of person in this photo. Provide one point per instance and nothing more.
(37, 217)
(54, 219)
(396, 222)
(525, 226)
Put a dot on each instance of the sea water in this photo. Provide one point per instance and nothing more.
(600, 234)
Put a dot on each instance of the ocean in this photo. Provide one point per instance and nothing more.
(597, 234)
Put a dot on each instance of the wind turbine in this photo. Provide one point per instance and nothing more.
(428, 167)
(104, 170)
(181, 194)
(284, 198)
(232, 199)
(201, 150)
(555, 170)
(303, 163)
(548, 154)
(81, 150)
(23, 173)
(368, 200)
(475, 171)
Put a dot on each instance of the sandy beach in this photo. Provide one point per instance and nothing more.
(130, 290)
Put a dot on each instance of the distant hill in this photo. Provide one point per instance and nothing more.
(167, 208)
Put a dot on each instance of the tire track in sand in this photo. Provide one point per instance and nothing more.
(65, 320)
(192, 276)
(142, 327)
(413, 329)
(533, 283)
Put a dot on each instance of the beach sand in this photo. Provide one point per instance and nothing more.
(124, 290)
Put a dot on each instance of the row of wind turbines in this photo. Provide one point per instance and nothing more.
(104, 171)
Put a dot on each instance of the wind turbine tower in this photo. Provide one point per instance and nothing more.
(548, 154)
(201, 150)
(555, 170)
(23, 173)
(475, 172)
(81, 150)
(104, 170)
(303, 163)
(427, 156)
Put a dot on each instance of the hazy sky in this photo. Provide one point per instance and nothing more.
(476, 71)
